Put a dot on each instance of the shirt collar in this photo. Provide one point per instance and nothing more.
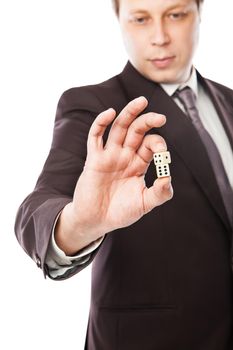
(191, 82)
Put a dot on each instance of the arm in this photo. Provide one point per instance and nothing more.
(107, 193)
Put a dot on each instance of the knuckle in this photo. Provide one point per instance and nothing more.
(120, 122)
(131, 109)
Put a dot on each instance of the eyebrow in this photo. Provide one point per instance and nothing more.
(172, 7)
(138, 11)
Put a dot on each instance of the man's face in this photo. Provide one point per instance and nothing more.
(160, 37)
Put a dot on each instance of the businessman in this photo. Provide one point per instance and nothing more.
(162, 263)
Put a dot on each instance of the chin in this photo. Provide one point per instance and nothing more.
(168, 76)
(163, 78)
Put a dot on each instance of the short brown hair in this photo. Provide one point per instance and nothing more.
(116, 5)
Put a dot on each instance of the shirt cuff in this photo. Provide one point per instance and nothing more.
(56, 259)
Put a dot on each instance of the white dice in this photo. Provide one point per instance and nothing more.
(162, 161)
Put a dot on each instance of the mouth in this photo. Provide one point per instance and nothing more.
(162, 62)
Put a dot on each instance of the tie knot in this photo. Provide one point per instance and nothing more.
(187, 97)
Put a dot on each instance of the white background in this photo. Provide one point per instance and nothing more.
(48, 46)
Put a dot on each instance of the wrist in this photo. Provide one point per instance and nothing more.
(70, 234)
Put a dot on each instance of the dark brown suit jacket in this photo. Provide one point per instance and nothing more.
(164, 283)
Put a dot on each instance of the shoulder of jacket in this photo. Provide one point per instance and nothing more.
(220, 87)
(92, 97)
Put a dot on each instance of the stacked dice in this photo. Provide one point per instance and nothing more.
(162, 161)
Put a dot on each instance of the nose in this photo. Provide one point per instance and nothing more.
(159, 34)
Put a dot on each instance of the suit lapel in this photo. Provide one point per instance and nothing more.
(223, 107)
(179, 134)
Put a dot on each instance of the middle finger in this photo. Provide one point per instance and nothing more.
(140, 126)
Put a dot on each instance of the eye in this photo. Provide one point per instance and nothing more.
(177, 15)
(140, 20)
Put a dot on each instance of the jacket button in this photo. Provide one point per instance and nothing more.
(38, 261)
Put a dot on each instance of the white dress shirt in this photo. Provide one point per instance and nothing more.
(58, 262)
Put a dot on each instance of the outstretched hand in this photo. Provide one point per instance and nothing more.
(111, 191)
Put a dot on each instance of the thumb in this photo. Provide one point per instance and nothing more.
(159, 193)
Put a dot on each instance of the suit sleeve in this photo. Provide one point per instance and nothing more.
(55, 186)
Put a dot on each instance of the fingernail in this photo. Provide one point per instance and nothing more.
(141, 98)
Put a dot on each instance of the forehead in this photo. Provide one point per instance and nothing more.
(150, 4)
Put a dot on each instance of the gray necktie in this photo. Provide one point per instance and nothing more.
(188, 99)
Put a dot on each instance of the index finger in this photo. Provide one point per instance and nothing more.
(122, 122)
